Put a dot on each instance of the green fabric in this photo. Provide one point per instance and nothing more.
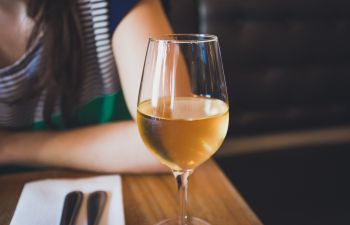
(101, 110)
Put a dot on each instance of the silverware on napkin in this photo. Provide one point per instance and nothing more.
(71, 205)
(95, 205)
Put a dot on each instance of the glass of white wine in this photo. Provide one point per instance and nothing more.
(183, 111)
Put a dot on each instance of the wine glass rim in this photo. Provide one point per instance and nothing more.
(184, 38)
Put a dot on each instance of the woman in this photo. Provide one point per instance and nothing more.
(58, 63)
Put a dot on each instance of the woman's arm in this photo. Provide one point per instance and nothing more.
(130, 43)
(115, 147)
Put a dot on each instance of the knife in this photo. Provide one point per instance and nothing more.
(71, 205)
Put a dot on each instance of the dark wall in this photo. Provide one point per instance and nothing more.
(287, 63)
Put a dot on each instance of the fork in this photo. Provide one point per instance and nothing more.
(96, 205)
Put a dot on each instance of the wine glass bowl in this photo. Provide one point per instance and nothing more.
(183, 112)
(185, 135)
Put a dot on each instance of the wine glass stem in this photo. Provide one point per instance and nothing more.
(182, 184)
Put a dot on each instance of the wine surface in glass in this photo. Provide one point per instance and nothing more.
(184, 132)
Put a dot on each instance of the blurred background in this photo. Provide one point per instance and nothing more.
(287, 66)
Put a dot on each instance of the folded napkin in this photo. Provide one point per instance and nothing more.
(41, 202)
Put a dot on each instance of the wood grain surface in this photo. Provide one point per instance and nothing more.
(151, 198)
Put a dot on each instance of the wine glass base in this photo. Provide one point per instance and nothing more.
(189, 221)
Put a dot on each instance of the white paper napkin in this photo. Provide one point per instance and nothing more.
(41, 202)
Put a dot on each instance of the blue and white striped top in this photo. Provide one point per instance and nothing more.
(101, 99)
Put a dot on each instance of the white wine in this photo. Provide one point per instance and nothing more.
(183, 132)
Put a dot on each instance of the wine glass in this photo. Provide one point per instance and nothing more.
(182, 111)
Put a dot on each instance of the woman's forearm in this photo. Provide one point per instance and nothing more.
(114, 147)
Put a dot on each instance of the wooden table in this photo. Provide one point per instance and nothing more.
(151, 198)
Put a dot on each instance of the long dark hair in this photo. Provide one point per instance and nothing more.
(60, 71)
